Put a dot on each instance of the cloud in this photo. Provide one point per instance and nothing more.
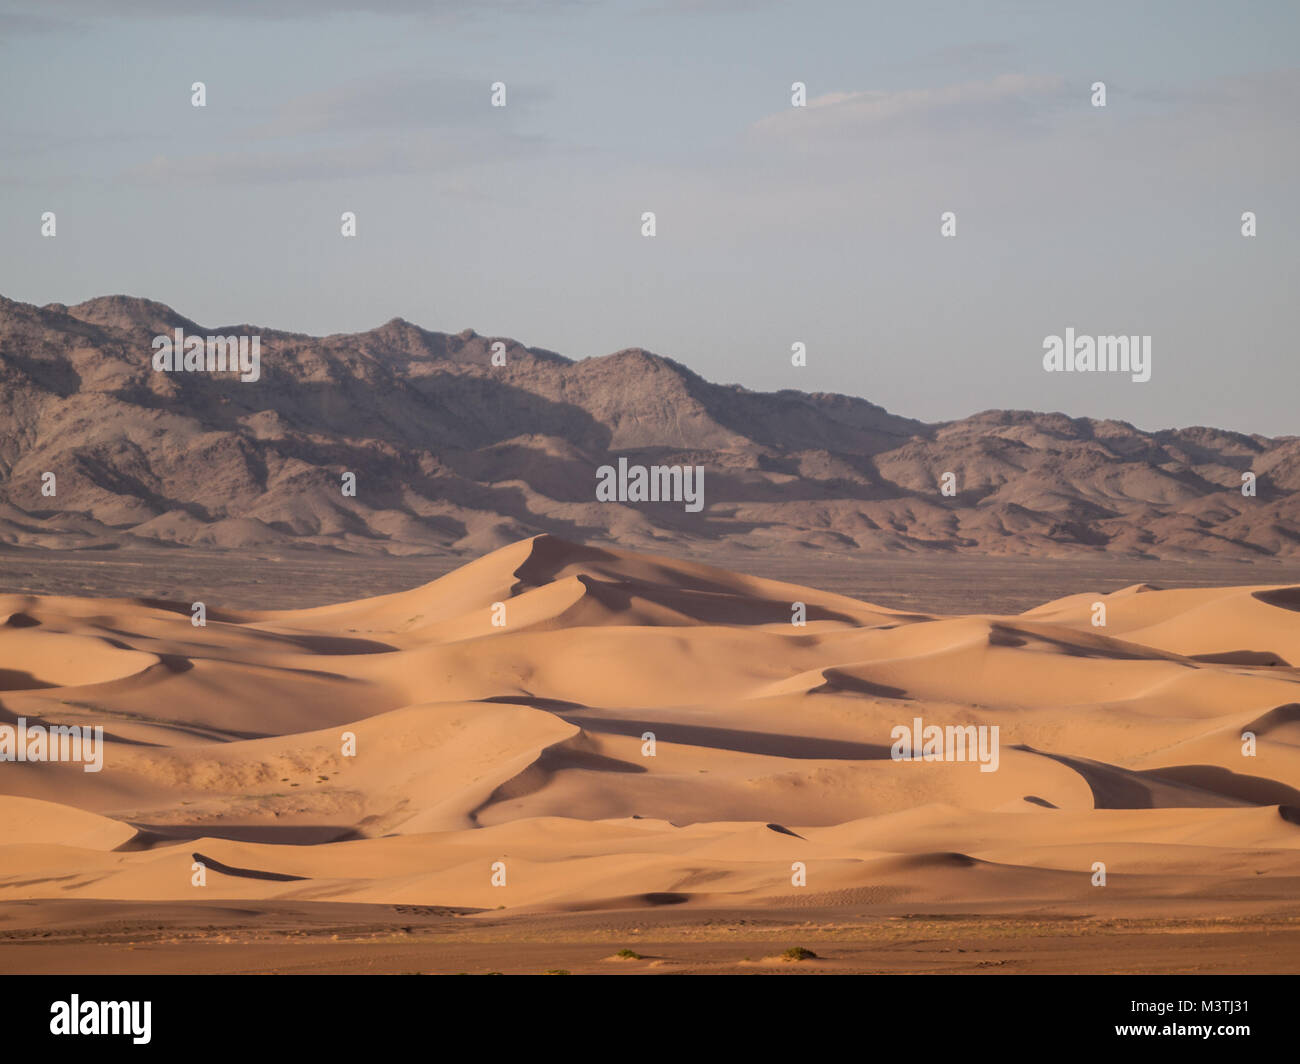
(414, 101)
(1007, 97)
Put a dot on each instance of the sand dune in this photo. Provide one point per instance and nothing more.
(395, 749)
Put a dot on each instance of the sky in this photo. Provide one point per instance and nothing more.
(775, 224)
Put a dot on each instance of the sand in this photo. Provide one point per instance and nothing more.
(500, 771)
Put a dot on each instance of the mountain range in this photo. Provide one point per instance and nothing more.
(456, 455)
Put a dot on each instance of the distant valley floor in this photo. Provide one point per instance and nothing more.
(297, 579)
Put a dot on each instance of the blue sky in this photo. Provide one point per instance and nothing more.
(775, 224)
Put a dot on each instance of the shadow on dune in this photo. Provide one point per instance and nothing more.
(7, 716)
(1175, 787)
(325, 645)
(1288, 713)
(1005, 635)
(1257, 790)
(243, 873)
(551, 705)
(1284, 598)
(1117, 788)
(549, 555)
(18, 680)
(769, 744)
(839, 680)
(338, 645)
(151, 835)
(704, 607)
(665, 897)
(570, 754)
(578, 752)
(1242, 657)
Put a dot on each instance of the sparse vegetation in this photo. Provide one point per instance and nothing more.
(798, 953)
(628, 955)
